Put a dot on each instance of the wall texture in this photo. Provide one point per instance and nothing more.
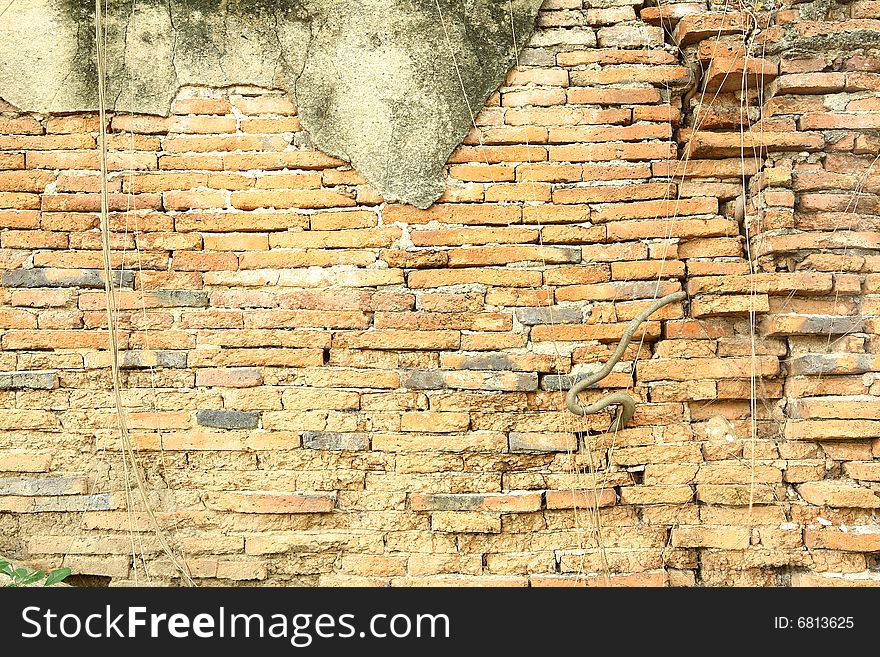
(325, 388)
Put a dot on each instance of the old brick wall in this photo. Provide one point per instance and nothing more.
(327, 389)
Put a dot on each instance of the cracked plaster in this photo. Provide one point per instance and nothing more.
(379, 83)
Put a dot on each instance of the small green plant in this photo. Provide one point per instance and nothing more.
(24, 577)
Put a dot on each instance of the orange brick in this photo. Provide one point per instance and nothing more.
(289, 181)
(194, 162)
(253, 199)
(159, 182)
(224, 222)
(204, 261)
(654, 209)
(463, 214)
(17, 201)
(201, 106)
(92, 202)
(236, 241)
(611, 151)
(434, 422)
(15, 339)
(592, 134)
(598, 95)
(19, 219)
(567, 115)
(485, 276)
(33, 239)
(24, 181)
(11, 161)
(20, 126)
(199, 200)
(225, 143)
(522, 191)
(606, 193)
(496, 154)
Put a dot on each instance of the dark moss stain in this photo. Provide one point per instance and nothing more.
(83, 74)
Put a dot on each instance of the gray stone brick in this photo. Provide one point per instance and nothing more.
(422, 380)
(167, 358)
(548, 315)
(163, 358)
(820, 364)
(88, 278)
(538, 57)
(99, 502)
(334, 441)
(814, 325)
(531, 442)
(36, 380)
(181, 298)
(220, 419)
(496, 362)
(454, 502)
(48, 486)
(563, 382)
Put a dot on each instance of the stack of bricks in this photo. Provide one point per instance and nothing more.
(325, 388)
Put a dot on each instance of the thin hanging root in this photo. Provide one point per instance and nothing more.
(110, 293)
(627, 404)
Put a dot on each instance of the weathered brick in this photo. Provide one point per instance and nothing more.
(548, 315)
(811, 325)
(40, 380)
(542, 442)
(838, 494)
(848, 541)
(88, 278)
(225, 419)
(580, 499)
(513, 502)
(24, 461)
(242, 377)
(707, 368)
(43, 486)
(727, 538)
(466, 522)
(333, 441)
(435, 380)
(270, 502)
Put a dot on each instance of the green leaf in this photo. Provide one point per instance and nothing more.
(5, 568)
(33, 577)
(57, 575)
(20, 573)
